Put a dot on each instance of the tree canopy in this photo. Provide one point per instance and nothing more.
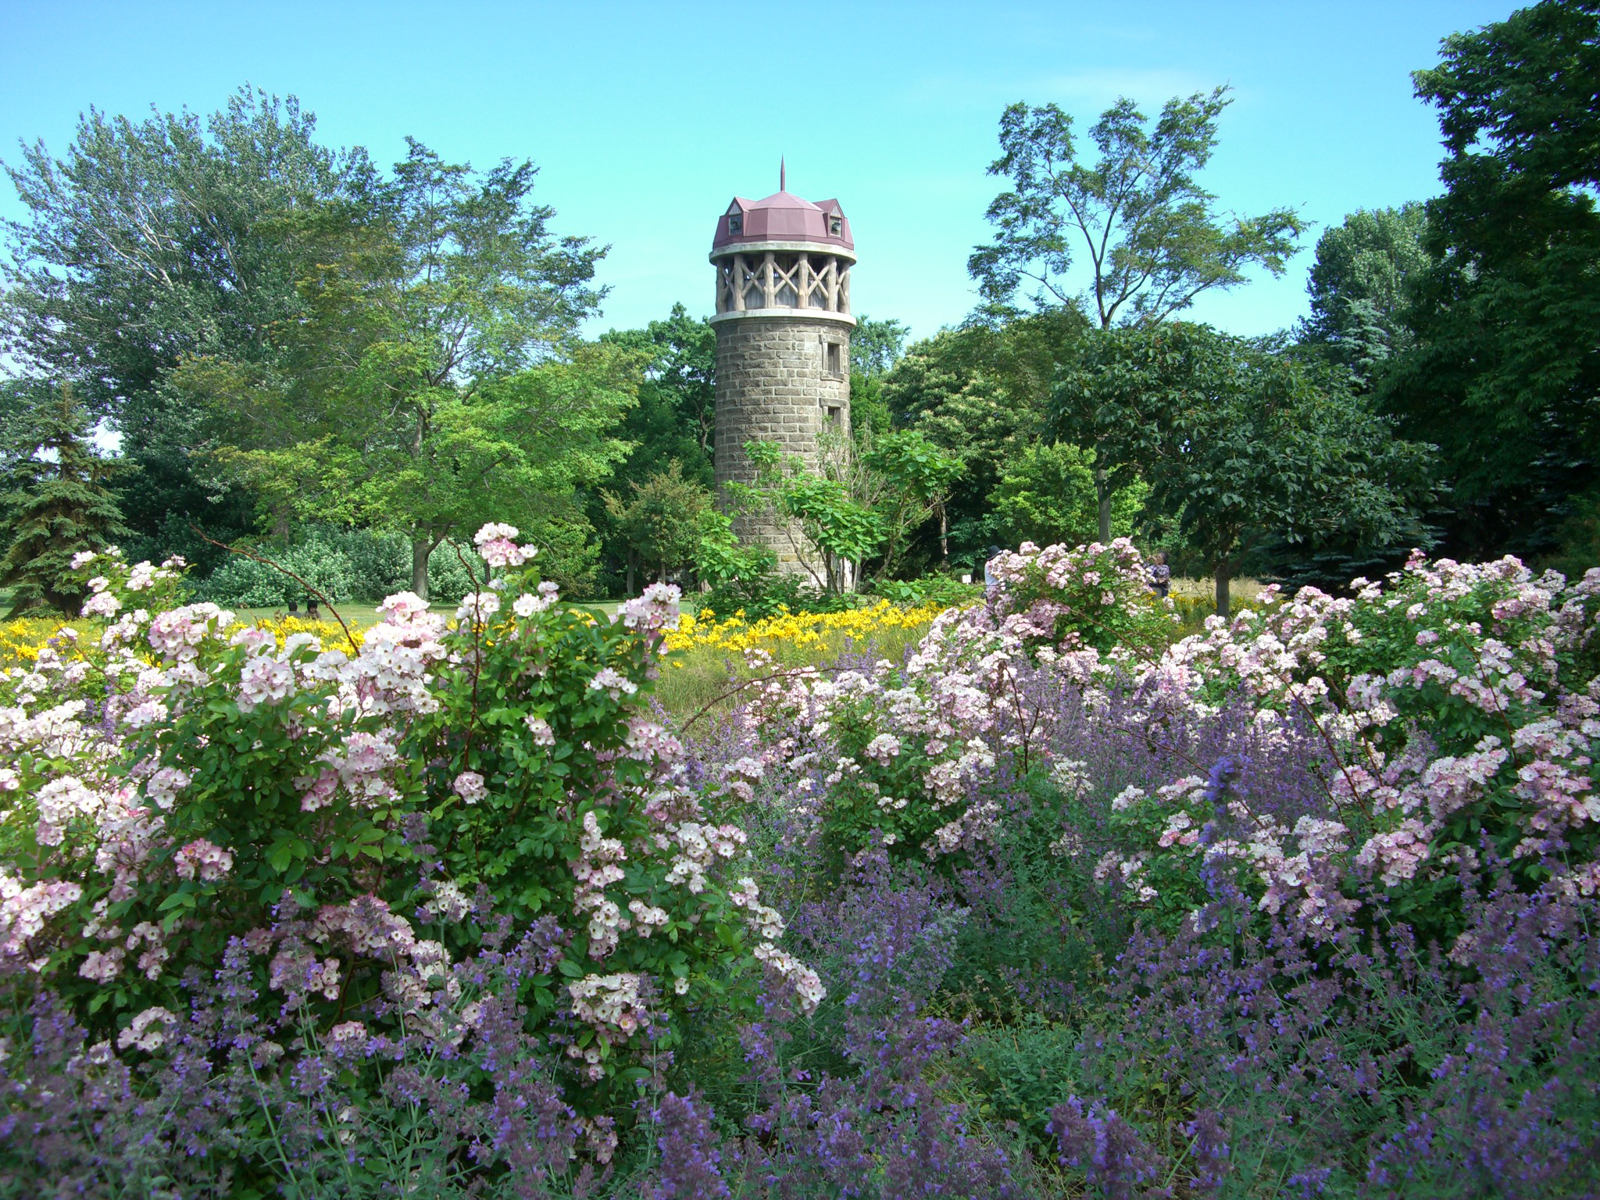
(1240, 443)
(1153, 237)
(1506, 372)
(1361, 285)
(147, 242)
(434, 378)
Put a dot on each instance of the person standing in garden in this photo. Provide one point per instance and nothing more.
(1159, 574)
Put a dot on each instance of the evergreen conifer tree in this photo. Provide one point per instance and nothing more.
(58, 508)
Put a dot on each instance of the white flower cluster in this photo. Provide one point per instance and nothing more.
(598, 867)
(654, 610)
(23, 913)
(610, 1005)
(613, 682)
(148, 1031)
(698, 846)
(447, 903)
(202, 859)
(807, 985)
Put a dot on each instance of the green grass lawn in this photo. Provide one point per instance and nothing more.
(1239, 589)
(358, 614)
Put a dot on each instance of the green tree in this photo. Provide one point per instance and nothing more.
(1242, 445)
(981, 394)
(60, 507)
(1153, 236)
(673, 421)
(1360, 287)
(1110, 402)
(435, 379)
(907, 481)
(662, 522)
(675, 418)
(149, 242)
(875, 346)
(1505, 376)
(1047, 495)
(839, 530)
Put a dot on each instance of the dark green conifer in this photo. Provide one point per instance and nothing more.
(58, 507)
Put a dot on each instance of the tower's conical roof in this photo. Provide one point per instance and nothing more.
(783, 217)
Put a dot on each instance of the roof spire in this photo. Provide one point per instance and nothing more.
(782, 176)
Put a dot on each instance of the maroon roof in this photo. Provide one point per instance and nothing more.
(783, 217)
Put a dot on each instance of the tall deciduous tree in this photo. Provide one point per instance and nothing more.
(676, 414)
(60, 507)
(1110, 402)
(435, 375)
(147, 242)
(875, 346)
(1506, 374)
(1152, 237)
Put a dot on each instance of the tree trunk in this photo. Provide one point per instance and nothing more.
(632, 557)
(1224, 578)
(1102, 492)
(944, 536)
(421, 548)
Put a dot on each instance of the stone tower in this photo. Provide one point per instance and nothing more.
(783, 340)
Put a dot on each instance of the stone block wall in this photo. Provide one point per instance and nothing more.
(778, 381)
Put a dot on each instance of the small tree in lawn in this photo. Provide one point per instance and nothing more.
(910, 482)
(60, 509)
(1047, 495)
(661, 523)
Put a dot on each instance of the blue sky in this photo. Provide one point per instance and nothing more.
(645, 118)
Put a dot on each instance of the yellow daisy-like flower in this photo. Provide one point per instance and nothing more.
(785, 629)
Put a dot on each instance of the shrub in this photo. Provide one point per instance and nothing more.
(1461, 705)
(248, 583)
(235, 791)
(944, 590)
(343, 565)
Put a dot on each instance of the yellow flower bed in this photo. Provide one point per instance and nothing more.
(21, 637)
(332, 636)
(789, 630)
